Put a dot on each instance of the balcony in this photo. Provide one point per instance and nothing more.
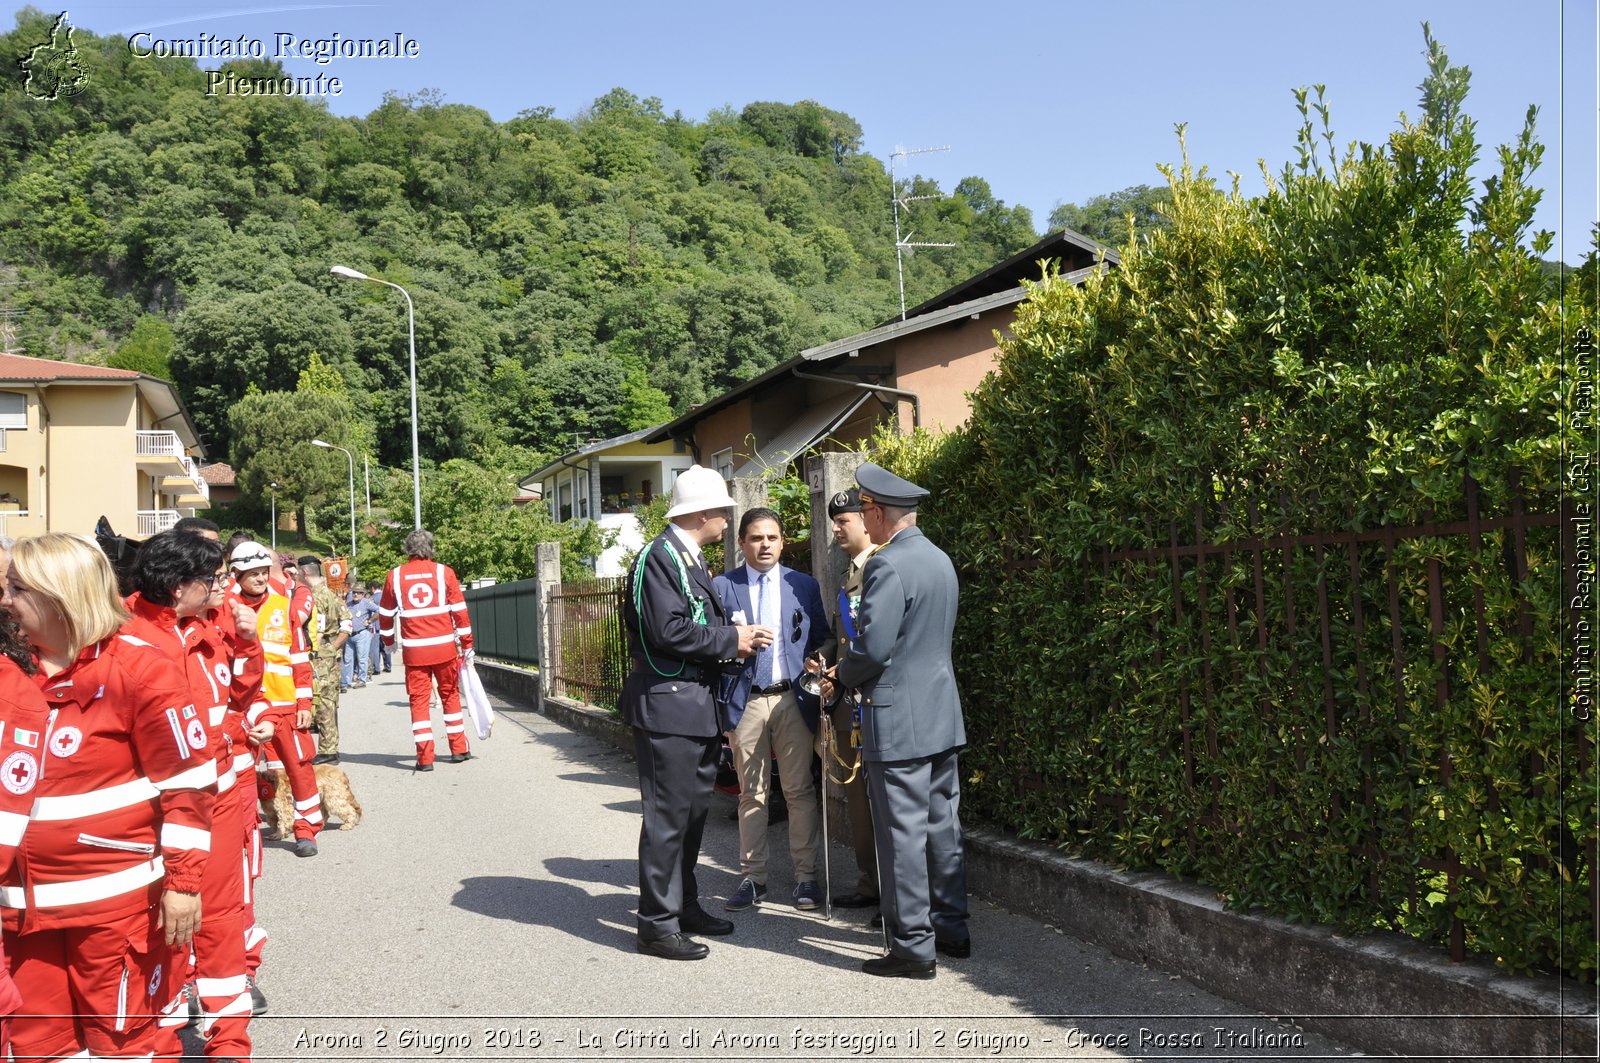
(192, 489)
(156, 521)
(12, 522)
(160, 450)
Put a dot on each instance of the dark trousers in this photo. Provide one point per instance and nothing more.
(916, 818)
(676, 774)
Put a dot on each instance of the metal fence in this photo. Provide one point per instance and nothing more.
(589, 648)
(505, 622)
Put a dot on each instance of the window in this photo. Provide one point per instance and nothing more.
(722, 461)
(13, 410)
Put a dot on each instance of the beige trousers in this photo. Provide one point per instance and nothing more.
(772, 725)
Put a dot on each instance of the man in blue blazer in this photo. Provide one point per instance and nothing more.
(678, 638)
(765, 713)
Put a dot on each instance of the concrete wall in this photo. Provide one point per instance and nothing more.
(92, 469)
(943, 363)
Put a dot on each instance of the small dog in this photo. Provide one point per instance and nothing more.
(338, 802)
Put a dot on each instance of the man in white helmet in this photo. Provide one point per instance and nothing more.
(678, 637)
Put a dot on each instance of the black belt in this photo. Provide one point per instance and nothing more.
(777, 688)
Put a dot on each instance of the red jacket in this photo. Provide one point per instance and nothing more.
(221, 679)
(427, 600)
(26, 717)
(123, 803)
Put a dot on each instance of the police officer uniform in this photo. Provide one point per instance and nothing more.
(911, 731)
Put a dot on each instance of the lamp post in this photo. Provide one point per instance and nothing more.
(274, 489)
(411, 325)
(366, 476)
(352, 457)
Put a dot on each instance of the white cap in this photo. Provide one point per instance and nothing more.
(248, 556)
(699, 488)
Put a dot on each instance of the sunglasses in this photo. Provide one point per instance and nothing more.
(794, 631)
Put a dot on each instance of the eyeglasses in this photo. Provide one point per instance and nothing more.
(209, 579)
(794, 631)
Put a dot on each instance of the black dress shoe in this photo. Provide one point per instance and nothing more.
(892, 966)
(458, 758)
(958, 949)
(674, 947)
(701, 921)
(854, 900)
(325, 758)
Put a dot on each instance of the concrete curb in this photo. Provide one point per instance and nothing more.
(1382, 992)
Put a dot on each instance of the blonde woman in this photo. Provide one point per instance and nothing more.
(107, 892)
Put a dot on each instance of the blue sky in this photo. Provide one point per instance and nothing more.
(1049, 102)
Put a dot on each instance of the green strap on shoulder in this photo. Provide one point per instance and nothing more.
(697, 608)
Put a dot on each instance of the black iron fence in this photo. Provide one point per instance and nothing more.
(589, 647)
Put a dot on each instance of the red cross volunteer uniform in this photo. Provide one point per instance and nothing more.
(424, 611)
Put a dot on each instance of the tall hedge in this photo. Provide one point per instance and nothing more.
(1357, 349)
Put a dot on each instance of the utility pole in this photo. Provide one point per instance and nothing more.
(903, 202)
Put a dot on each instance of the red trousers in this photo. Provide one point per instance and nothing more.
(219, 945)
(95, 988)
(294, 750)
(419, 684)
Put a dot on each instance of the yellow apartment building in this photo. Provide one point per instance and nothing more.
(78, 442)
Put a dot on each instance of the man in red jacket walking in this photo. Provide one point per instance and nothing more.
(424, 611)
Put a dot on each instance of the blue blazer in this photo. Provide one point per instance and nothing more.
(803, 626)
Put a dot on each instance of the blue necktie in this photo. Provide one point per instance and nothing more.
(765, 607)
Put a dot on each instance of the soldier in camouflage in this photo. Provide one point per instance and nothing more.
(328, 631)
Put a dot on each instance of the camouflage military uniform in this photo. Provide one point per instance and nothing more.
(330, 618)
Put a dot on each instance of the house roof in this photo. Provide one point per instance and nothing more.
(218, 474)
(19, 367)
(813, 424)
(999, 285)
(162, 395)
(587, 449)
(1075, 250)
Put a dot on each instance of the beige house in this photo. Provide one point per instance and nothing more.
(603, 481)
(919, 371)
(78, 442)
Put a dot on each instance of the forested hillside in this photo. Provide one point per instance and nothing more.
(590, 274)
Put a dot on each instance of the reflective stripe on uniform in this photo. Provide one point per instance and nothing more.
(74, 806)
(85, 890)
(177, 836)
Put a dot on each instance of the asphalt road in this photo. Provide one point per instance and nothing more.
(485, 911)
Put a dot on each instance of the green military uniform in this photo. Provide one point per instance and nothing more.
(330, 619)
(842, 715)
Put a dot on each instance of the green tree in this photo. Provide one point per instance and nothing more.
(271, 435)
(147, 349)
(1106, 217)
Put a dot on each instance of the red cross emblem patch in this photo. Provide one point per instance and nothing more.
(419, 595)
(20, 772)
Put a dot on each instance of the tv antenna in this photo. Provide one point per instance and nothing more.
(903, 202)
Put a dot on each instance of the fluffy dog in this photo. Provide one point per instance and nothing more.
(338, 802)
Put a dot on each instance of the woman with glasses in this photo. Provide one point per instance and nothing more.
(106, 894)
(181, 581)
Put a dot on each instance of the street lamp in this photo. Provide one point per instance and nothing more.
(274, 489)
(411, 324)
(352, 457)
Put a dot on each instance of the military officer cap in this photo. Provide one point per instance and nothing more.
(885, 488)
(844, 502)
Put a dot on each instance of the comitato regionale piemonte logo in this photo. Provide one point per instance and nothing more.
(54, 68)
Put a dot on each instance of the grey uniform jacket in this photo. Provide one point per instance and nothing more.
(901, 659)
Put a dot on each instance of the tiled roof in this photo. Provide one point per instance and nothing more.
(218, 474)
(21, 367)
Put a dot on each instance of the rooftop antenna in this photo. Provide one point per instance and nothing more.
(903, 202)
